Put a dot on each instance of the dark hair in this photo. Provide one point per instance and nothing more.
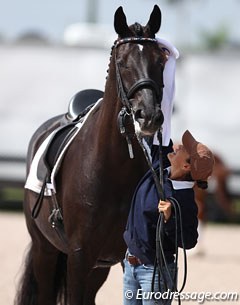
(188, 177)
(202, 184)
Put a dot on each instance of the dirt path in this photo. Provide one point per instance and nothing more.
(216, 271)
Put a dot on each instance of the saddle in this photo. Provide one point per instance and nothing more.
(80, 104)
(78, 107)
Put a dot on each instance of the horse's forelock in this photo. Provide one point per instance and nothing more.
(137, 29)
(141, 31)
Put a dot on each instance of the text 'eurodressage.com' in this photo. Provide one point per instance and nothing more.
(199, 297)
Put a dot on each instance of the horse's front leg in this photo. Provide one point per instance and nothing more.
(94, 282)
(79, 268)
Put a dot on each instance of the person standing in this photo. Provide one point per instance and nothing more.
(191, 163)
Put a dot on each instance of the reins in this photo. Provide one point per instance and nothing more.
(161, 264)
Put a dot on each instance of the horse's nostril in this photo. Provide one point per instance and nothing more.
(139, 114)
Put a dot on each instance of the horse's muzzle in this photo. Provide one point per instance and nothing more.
(148, 124)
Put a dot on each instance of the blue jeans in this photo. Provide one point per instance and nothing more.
(137, 282)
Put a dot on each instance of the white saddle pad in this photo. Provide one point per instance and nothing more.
(33, 183)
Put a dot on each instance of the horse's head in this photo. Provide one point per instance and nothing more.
(139, 69)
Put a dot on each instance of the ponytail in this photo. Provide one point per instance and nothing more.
(202, 184)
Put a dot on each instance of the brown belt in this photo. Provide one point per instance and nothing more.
(133, 260)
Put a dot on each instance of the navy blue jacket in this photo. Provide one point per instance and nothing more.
(140, 233)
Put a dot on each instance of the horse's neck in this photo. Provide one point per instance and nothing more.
(105, 146)
(111, 104)
(105, 122)
(111, 100)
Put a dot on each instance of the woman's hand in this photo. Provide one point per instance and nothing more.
(166, 208)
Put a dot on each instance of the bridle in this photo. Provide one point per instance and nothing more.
(125, 95)
(142, 83)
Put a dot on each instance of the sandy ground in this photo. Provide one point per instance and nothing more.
(215, 271)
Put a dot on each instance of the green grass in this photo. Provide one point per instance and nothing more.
(11, 199)
(236, 206)
(12, 194)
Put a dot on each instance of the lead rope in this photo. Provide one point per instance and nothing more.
(160, 261)
(160, 256)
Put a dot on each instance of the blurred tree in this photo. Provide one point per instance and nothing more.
(217, 39)
(92, 11)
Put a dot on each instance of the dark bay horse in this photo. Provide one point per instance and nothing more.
(97, 178)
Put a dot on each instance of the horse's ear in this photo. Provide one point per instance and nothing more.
(155, 19)
(120, 23)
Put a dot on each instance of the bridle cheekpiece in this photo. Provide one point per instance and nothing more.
(141, 83)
